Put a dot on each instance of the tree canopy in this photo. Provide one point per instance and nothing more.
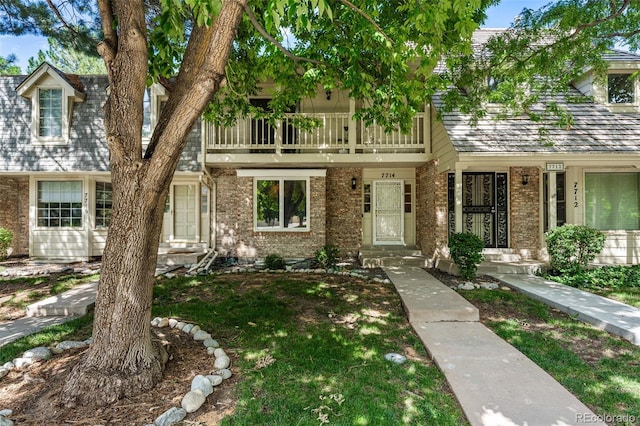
(8, 65)
(68, 60)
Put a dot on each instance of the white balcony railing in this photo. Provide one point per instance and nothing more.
(337, 133)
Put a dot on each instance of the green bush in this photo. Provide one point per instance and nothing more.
(274, 261)
(466, 252)
(572, 247)
(613, 276)
(327, 256)
(5, 242)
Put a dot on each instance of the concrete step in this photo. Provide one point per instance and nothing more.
(428, 300)
(526, 267)
(394, 260)
(78, 301)
(180, 258)
(390, 250)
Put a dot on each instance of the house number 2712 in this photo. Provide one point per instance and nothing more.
(575, 194)
(388, 175)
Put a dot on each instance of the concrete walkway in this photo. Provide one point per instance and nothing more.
(605, 314)
(495, 384)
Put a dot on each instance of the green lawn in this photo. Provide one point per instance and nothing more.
(600, 369)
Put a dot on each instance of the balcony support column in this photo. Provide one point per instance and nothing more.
(353, 131)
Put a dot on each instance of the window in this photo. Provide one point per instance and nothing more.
(281, 204)
(367, 198)
(612, 201)
(153, 102)
(50, 113)
(407, 198)
(620, 89)
(561, 204)
(103, 204)
(146, 113)
(60, 204)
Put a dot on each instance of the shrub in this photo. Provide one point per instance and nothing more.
(5, 242)
(274, 261)
(327, 256)
(466, 252)
(572, 247)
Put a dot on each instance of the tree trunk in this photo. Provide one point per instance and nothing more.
(122, 360)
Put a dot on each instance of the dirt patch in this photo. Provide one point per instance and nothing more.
(33, 394)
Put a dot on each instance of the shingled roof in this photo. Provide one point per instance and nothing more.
(595, 130)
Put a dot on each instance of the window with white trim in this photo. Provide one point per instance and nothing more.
(612, 201)
(620, 89)
(49, 113)
(103, 204)
(281, 204)
(59, 204)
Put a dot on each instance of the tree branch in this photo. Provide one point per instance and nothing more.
(56, 12)
(107, 47)
(270, 38)
(368, 18)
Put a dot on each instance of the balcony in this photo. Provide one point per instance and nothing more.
(338, 138)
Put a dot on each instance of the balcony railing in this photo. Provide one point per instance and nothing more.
(337, 133)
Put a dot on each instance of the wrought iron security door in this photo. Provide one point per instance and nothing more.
(484, 207)
(388, 212)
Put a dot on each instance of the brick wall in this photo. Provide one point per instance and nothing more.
(14, 214)
(344, 210)
(525, 211)
(234, 221)
(431, 210)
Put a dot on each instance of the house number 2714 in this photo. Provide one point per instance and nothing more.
(388, 175)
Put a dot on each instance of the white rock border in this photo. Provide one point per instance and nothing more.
(202, 385)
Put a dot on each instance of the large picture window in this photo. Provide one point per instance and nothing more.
(103, 204)
(50, 113)
(612, 201)
(281, 204)
(620, 89)
(60, 204)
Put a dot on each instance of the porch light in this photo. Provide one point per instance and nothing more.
(525, 179)
(354, 182)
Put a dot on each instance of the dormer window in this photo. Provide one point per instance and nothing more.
(620, 89)
(52, 94)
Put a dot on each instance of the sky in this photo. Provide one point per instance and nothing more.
(25, 47)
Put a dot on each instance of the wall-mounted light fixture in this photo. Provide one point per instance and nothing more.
(354, 183)
(328, 93)
(525, 179)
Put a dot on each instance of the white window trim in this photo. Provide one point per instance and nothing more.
(277, 173)
(35, 113)
(95, 203)
(635, 89)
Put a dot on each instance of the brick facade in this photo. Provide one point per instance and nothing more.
(234, 221)
(344, 210)
(431, 210)
(14, 214)
(524, 206)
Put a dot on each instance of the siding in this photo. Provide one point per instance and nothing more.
(87, 149)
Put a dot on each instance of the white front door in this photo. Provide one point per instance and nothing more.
(185, 212)
(388, 213)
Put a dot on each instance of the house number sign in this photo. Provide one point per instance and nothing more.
(575, 194)
(555, 167)
(388, 175)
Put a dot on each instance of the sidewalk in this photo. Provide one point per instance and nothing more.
(605, 314)
(494, 383)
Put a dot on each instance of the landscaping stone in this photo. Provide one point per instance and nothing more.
(5, 422)
(180, 325)
(225, 373)
(187, 328)
(211, 343)
(215, 379)
(155, 322)
(201, 335)
(466, 286)
(170, 417)
(38, 354)
(210, 350)
(219, 352)
(489, 286)
(193, 400)
(21, 363)
(3, 372)
(395, 358)
(164, 322)
(222, 362)
(70, 344)
(9, 365)
(173, 322)
(6, 412)
(194, 330)
(203, 383)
